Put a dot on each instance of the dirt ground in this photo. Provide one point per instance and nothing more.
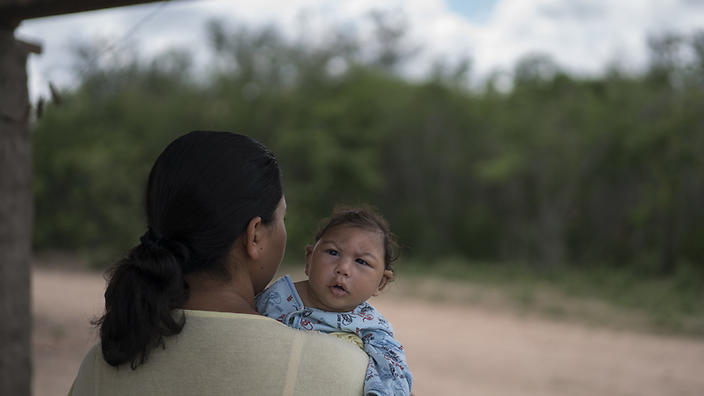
(452, 348)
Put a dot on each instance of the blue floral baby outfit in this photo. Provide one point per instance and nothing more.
(387, 373)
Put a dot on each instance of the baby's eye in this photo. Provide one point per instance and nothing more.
(332, 252)
(360, 261)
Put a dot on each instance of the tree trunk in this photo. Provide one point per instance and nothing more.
(16, 210)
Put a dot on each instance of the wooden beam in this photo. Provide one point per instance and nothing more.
(12, 13)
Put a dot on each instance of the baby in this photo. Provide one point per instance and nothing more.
(349, 262)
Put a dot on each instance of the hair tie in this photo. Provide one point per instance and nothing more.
(150, 240)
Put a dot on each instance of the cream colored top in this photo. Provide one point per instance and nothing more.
(232, 354)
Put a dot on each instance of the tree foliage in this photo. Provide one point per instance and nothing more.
(559, 170)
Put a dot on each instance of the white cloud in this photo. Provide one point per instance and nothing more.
(580, 35)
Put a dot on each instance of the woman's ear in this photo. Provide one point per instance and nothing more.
(252, 238)
(309, 253)
(385, 279)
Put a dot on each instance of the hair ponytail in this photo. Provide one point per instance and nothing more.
(142, 293)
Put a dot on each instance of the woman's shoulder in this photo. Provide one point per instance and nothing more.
(84, 382)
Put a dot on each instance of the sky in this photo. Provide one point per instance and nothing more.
(583, 37)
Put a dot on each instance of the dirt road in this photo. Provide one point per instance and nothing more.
(452, 349)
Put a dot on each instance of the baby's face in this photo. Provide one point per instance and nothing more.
(345, 267)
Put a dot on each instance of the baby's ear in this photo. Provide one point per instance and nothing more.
(385, 279)
(309, 253)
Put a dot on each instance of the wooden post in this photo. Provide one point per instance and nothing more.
(16, 211)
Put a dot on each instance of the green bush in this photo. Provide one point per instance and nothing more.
(559, 171)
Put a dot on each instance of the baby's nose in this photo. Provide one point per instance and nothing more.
(343, 268)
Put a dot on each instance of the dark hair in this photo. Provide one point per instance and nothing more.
(367, 218)
(202, 192)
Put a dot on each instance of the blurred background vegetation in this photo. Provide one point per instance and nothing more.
(593, 184)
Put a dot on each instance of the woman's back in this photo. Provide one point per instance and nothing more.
(232, 354)
(215, 236)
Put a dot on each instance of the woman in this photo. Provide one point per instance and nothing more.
(179, 309)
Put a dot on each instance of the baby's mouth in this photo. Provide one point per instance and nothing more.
(338, 290)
